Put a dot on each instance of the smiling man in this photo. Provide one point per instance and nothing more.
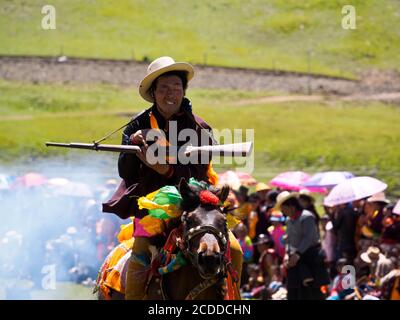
(165, 87)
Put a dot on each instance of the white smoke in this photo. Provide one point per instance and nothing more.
(48, 232)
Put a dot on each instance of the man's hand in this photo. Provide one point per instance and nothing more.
(160, 168)
(139, 137)
(291, 261)
(286, 260)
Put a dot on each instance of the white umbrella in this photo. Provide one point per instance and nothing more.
(74, 189)
(4, 182)
(354, 189)
(396, 208)
(57, 181)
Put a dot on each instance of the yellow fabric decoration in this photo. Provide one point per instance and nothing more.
(114, 279)
(152, 225)
(120, 251)
(126, 232)
(109, 276)
(170, 209)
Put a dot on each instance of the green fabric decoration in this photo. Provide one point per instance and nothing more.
(201, 184)
(165, 196)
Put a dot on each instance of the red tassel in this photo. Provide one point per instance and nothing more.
(207, 197)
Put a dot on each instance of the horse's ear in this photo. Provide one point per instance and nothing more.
(223, 193)
(183, 186)
(190, 198)
(184, 189)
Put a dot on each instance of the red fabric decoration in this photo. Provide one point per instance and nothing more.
(207, 197)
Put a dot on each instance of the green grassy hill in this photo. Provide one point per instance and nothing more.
(257, 33)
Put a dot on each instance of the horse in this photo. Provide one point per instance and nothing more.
(200, 238)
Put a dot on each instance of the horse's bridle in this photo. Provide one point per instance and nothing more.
(201, 230)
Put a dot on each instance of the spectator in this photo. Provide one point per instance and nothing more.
(328, 241)
(242, 197)
(254, 200)
(240, 231)
(340, 286)
(391, 228)
(304, 258)
(379, 265)
(374, 211)
(391, 285)
(344, 226)
(262, 209)
(277, 232)
(268, 262)
(307, 202)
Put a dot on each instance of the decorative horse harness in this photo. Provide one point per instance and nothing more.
(176, 254)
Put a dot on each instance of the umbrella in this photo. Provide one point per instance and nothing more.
(235, 179)
(327, 179)
(31, 179)
(57, 181)
(293, 180)
(396, 209)
(354, 189)
(73, 189)
(246, 179)
(5, 182)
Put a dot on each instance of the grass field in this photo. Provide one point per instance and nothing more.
(358, 137)
(261, 34)
(62, 291)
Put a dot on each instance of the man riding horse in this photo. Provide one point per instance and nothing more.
(164, 86)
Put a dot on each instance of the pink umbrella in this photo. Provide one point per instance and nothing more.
(31, 179)
(246, 179)
(235, 179)
(293, 180)
(354, 189)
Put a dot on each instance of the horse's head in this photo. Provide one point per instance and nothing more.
(205, 232)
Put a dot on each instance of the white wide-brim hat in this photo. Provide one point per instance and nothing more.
(283, 197)
(157, 68)
(378, 197)
(372, 254)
